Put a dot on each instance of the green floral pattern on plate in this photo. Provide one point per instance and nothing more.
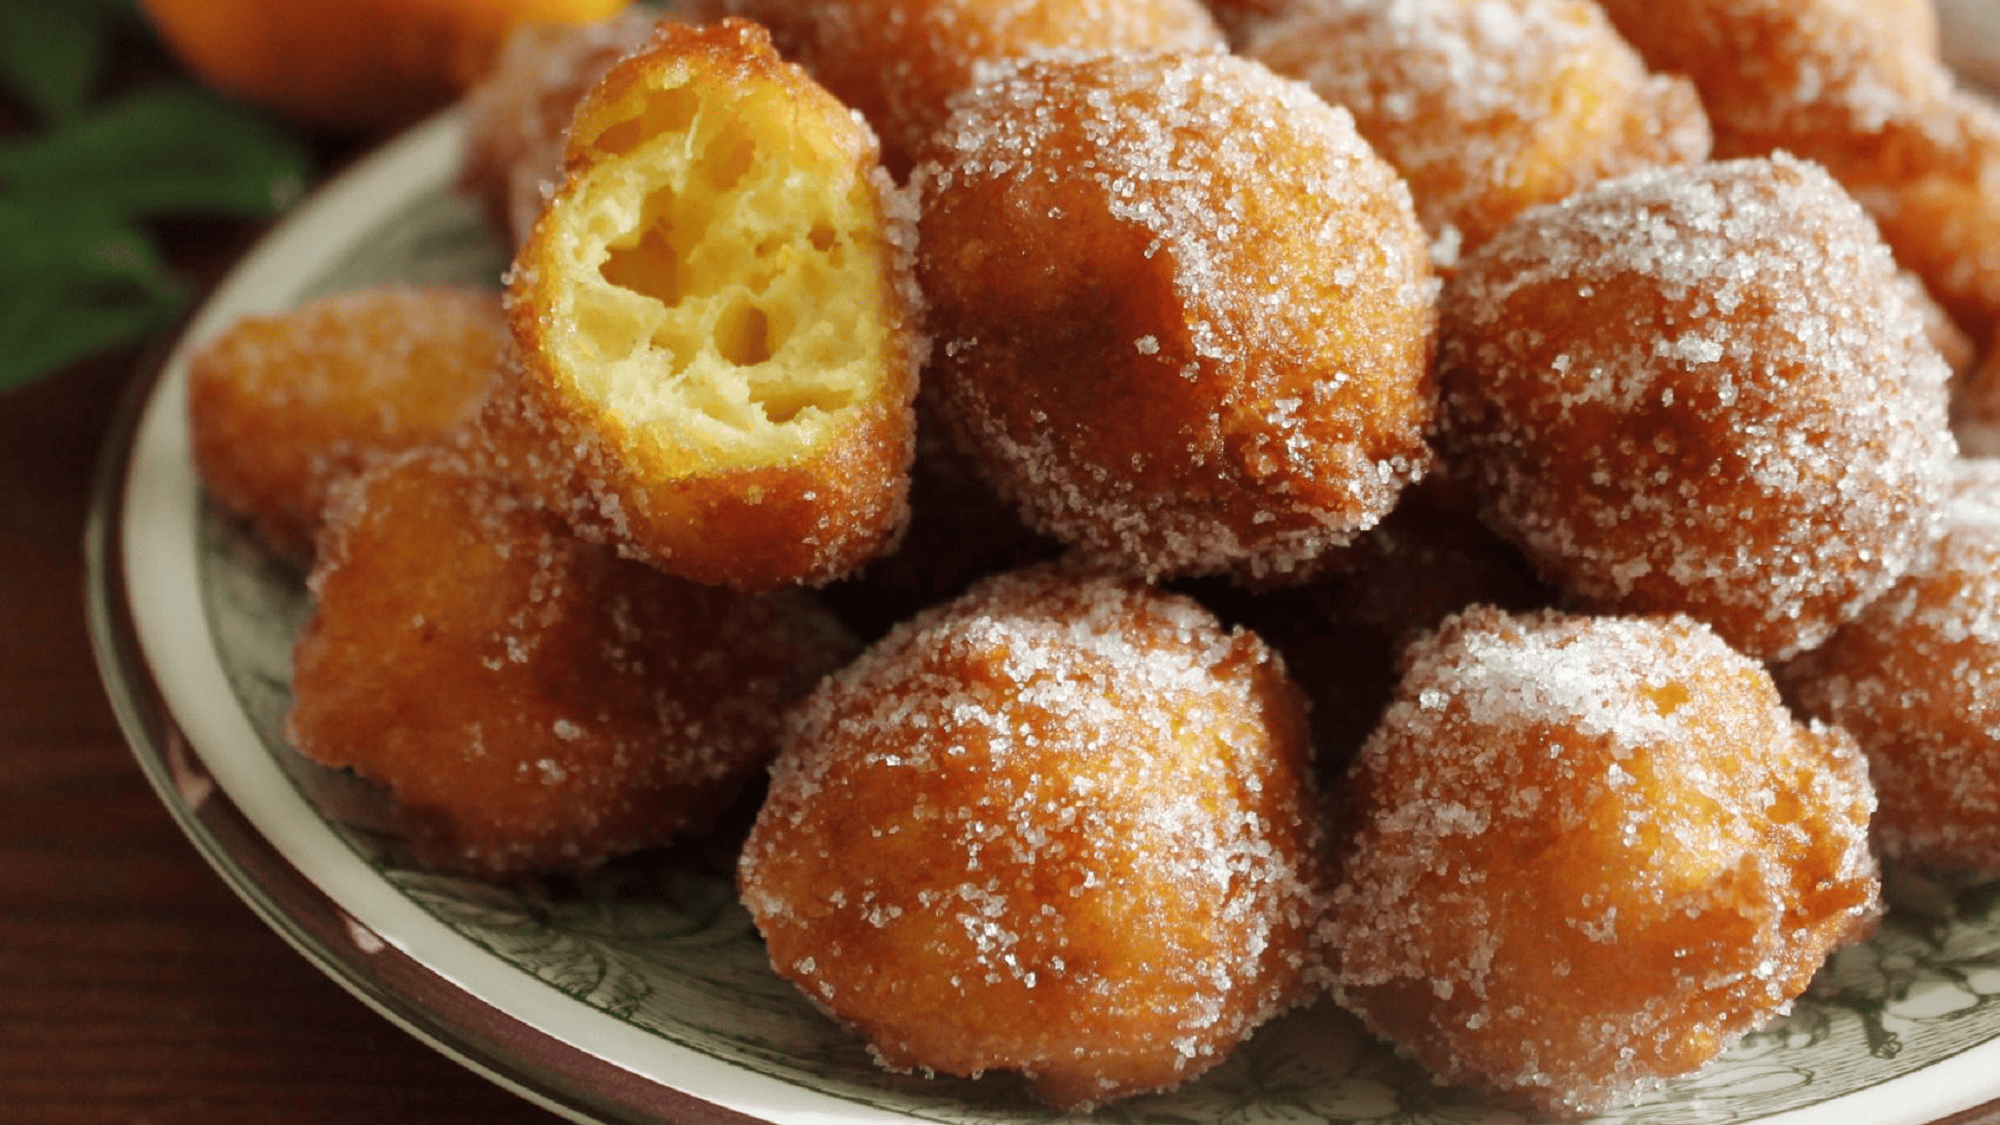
(660, 942)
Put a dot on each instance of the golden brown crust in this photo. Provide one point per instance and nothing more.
(1858, 86)
(1583, 855)
(1812, 76)
(281, 407)
(718, 337)
(1487, 108)
(1930, 187)
(899, 62)
(1653, 386)
(531, 701)
(967, 824)
(1171, 392)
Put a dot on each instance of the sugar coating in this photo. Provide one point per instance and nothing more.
(1700, 390)
(282, 407)
(1936, 197)
(516, 116)
(1487, 106)
(1183, 313)
(1857, 85)
(531, 701)
(1916, 679)
(1063, 825)
(900, 62)
(1774, 72)
(1583, 855)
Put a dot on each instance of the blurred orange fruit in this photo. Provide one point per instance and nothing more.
(351, 64)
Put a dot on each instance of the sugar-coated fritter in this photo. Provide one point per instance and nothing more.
(1938, 208)
(1064, 826)
(517, 115)
(1583, 855)
(1913, 679)
(1701, 390)
(282, 406)
(1487, 106)
(532, 701)
(717, 328)
(1857, 85)
(1814, 76)
(899, 62)
(1183, 314)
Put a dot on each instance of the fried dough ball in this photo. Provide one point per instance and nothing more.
(900, 61)
(1809, 75)
(1183, 314)
(1938, 205)
(1703, 391)
(1487, 108)
(1912, 680)
(532, 701)
(280, 407)
(717, 328)
(1587, 854)
(517, 115)
(1063, 825)
(1857, 85)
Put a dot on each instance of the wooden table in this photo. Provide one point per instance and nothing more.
(134, 986)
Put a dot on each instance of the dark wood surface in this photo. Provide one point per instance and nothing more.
(134, 986)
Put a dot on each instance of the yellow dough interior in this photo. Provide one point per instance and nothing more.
(727, 295)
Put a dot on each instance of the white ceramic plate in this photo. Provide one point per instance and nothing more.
(641, 993)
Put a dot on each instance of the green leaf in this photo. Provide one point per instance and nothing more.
(51, 52)
(80, 273)
(79, 279)
(167, 149)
